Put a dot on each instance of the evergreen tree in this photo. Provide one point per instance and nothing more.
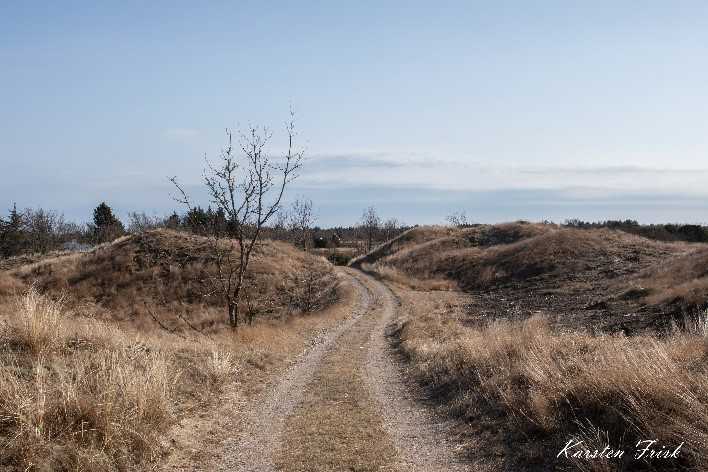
(103, 216)
(12, 236)
(173, 221)
(197, 220)
(106, 226)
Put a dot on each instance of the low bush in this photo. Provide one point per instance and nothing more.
(339, 258)
(310, 289)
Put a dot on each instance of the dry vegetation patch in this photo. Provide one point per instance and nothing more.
(580, 278)
(77, 395)
(491, 255)
(166, 274)
(561, 333)
(88, 380)
(681, 281)
(402, 279)
(554, 386)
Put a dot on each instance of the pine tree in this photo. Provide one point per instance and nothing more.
(12, 236)
(173, 221)
(106, 226)
(103, 216)
(198, 220)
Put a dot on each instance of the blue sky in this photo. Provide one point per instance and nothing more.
(504, 109)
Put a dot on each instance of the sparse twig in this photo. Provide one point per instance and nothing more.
(191, 326)
(247, 190)
(161, 324)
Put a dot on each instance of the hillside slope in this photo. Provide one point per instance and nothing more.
(162, 272)
(545, 333)
(581, 277)
(88, 379)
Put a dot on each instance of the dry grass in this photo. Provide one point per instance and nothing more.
(79, 394)
(395, 276)
(559, 385)
(684, 280)
(162, 273)
(80, 391)
(490, 255)
(531, 383)
(9, 285)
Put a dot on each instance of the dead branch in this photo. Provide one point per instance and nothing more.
(161, 324)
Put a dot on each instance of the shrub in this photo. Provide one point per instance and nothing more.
(310, 289)
(339, 258)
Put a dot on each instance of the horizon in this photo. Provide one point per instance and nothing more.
(506, 111)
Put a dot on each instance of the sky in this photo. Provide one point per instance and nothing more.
(505, 110)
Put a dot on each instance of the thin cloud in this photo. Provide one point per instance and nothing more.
(607, 170)
(426, 171)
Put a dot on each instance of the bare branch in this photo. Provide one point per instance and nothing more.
(161, 324)
(194, 328)
(247, 190)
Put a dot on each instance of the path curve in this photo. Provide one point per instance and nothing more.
(423, 440)
(253, 449)
(298, 425)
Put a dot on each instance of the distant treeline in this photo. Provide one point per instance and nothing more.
(661, 232)
(38, 231)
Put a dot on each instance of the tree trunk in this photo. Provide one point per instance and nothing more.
(233, 315)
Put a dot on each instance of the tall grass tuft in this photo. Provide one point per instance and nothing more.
(562, 385)
(38, 324)
(79, 395)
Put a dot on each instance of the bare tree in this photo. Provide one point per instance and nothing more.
(140, 222)
(248, 188)
(458, 219)
(370, 224)
(301, 221)
(40, 227)
(391, 228)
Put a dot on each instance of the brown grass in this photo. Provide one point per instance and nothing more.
(531, 382)
(559, 385)
(161, 273)
(80, 391)
(489, 255)
(76, 396)
(395, 276)
(82, 394)
(683, 280)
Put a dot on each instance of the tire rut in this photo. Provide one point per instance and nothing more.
(423, 440)
(253, 449)
(337, 425)
(344, 405)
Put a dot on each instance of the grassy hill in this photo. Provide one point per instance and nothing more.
(163, 273)
(539, 334)
(88, 379)
(597, 278)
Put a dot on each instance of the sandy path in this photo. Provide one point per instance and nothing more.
(253, 449)
(344, 405)
(423, 441)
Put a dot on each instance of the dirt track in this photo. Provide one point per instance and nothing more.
(343, 405)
